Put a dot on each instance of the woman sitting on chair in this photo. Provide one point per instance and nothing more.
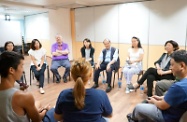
(9, 46)
(87, 51)
(38, 64)
(82, 104)
(162, 69)
(133, 62)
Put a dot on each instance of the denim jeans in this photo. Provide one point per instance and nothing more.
(39, 74)
(58, 63)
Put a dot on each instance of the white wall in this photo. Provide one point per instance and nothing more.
(45, 26)
(11, 30)
(37, 27)
(60, 23)
(154, 22)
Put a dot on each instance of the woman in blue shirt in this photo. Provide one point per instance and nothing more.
(82, 104)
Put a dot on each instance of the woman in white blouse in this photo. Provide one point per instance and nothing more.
(38, 64)
(134, 61)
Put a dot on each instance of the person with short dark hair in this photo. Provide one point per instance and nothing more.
(9, 46)
(82, 104)
(60, 51)
(171, 106)
(161, 71)
(87, 51)
(38, 64)
(109, 61)
(16, 105)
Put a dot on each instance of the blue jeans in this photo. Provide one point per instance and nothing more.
(147, 113)
(49, 116)
(39, 74)
(58, 63)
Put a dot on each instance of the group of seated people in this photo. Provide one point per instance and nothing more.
(79, 104)
(83, 103)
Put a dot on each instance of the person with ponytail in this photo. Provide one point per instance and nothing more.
(82, 104)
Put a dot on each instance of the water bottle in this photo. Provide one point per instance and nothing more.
(119, 83)
(103, 80)
(142, 89)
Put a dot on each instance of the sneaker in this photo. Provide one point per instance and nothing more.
(42, 91)
(131, 87)
(127, 90)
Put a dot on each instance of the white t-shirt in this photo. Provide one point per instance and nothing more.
(135, 56)
(37, 54)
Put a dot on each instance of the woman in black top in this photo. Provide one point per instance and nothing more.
(161, 71)
(87, 51)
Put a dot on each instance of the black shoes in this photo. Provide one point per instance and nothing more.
(65, 80)
(108, 89)
(130, 119)
(95, 86)
(58, 80)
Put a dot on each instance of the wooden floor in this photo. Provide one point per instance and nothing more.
(121, 102)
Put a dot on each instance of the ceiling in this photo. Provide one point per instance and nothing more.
(26, 7)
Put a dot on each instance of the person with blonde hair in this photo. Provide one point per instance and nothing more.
(82, 104)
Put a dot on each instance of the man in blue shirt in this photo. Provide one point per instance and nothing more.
(109, 61)
(168, 108)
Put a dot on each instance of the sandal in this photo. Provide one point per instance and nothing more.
(132, 87)
(23, 86)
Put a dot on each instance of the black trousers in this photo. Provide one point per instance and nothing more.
(109, 73)
(151, 75)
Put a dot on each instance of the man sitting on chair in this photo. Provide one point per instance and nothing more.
(109, 61)
(60, 53)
